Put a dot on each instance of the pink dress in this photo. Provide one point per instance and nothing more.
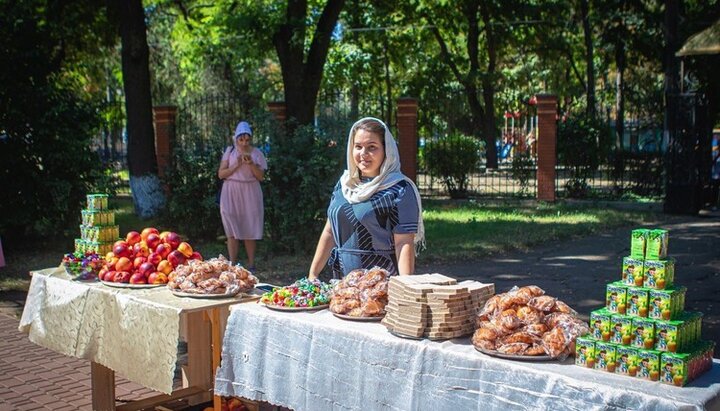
(241, 199)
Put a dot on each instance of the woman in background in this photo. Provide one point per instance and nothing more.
(242, 168)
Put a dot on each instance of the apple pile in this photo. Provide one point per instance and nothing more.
(146, 258)
(229, 404)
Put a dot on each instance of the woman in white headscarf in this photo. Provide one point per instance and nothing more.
(375, 213)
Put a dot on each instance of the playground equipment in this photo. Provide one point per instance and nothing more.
(522, 138)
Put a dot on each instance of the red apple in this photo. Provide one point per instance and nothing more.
(108, 276)
(164, 235)
(196, 256)
(157, 278)
(109, 256)
(152, 240)
(141, 249)
(163, 249)
(121, 277)
(138, 261)
(146, 269)
(147, 231)
(165, 267)
(173, 240)
(176, 258)
(154, 258)
(185, 249)
(101, 273)
(121, 249)
(123, 264)
(133, 237)
(138, 278)
(110, 264)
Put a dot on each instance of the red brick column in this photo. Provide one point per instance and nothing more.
(164, 119)
(407, 115)
(546, 146)
(279, 110)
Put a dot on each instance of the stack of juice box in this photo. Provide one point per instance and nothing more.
(644, 331)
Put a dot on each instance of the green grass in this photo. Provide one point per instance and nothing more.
(454, 232)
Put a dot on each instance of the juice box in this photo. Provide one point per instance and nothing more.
(669, 335)
(632, 271)
(605, 354)
(643, 333)
(648, 365)
(637, 302)
(692, 327)
(585, 352)
(621, 329)
(615, 297)
(626, 359)
(674, 368)
(600, 324)
(656, 244)
(637, 242)
(658, 274)
(665, 304)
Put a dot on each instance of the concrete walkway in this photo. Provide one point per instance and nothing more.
(34, 378)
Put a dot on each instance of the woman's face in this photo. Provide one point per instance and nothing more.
(243, 140)
(368, 153)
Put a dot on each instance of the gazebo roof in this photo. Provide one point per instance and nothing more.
(704, 42)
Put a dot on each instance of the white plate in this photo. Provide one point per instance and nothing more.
(197, 295)
(128, 285)
(494, 353)
(280, 308)
(352, 318)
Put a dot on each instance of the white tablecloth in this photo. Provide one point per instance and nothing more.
(314, 361)
(131, 331)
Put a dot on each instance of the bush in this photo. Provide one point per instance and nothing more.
(303, 168)
(453, 159)
(582, 145)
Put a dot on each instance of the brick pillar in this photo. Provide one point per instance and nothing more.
(164, 119)
(546, 146)
(279, 110)
(407, 116)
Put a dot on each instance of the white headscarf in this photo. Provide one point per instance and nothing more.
(356, 191)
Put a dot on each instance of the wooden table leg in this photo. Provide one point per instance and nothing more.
(198, 372)
(102, 381)
(217, 328)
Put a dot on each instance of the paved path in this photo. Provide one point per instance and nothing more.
(34, 378)
(576, 271)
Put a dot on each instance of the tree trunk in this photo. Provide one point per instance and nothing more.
(589, 55)
(620, 61)
(301, 75)
(144, 182)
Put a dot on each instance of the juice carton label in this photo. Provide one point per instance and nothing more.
(615, 298)
(585, 352)
(643, 334)
(637, 302)
(626, 359)
(621, 329)
(648, 365)
(637, 243)
(664, 304)
(656, 245)
(605, 354)
(658, 274)
(632, 271)
(674, 368)
(668, 335)
(600, 324)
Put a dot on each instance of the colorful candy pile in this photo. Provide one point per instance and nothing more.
(83, 266)
(302, 293)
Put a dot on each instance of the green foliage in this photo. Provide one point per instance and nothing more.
(582, 144)
(47, 119)
(522, 170)
(302, 170)
(453, 159)
(193, 182)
